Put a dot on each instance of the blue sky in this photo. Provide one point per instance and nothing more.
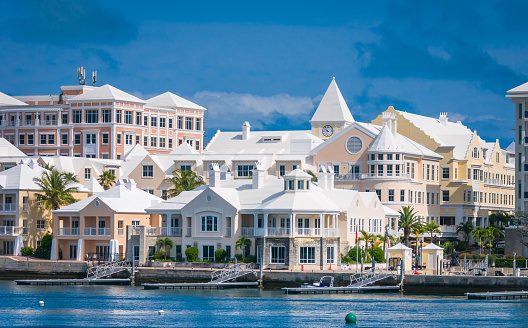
(271, 62)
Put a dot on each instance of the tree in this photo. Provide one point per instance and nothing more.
(44, 250)
(191, 253)
(465, 228)
(408, 221)
(183, 180)
(480, 234)
(243, 243)
(367, 237)
(432, 228)
(494, 233)
(57, 188)
(163, 244)
(314, 177)
(107, 180)
(501, 218)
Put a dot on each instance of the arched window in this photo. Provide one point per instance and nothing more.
(475, 152)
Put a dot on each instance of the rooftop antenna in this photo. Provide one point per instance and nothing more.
(81, 75)
(94, 77)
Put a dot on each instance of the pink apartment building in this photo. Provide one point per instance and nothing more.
(99, 122)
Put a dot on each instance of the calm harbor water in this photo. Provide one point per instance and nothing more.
(123, 306)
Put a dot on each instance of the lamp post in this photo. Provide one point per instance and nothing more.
(372, 255)
(421, 253)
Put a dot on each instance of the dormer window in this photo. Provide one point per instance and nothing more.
(271, 139)
(291, 185)
(297, 180)
(300, 185)
(476, 153)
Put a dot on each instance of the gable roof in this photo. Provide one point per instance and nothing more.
(523, 88)
(184, 149)
(106, 92)
(21, 177)
(6, 100)
(170, 100)
(332, 107)
(7, 149)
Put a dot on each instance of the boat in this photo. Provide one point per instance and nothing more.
(325, 281)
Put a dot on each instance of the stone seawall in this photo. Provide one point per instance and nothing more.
(24, 268)
(456, 284)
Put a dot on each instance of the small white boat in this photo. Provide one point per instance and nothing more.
(325, 281)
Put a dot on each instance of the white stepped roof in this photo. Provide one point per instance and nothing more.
(121, 199)
(93, 186)
(6, 100)
(433, 247)
(7, 149)
(21, 177)
(399, 247)
(106, 92)
(184, 149)
(298, 174)
(137, 151)
(385, 141)
(170, 100)
(333, 107)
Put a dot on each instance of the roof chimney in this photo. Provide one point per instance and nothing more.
(443, 119)
(214, 175)
(246, 128)
(389, 119)
(322, 177)
(259, 176)
(131, 184)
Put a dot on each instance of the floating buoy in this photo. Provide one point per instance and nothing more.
(161, 312)
(350, 318)
(41, 303)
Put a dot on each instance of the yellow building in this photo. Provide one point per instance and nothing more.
(477, 178)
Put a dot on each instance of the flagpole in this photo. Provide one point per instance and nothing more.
(357, 249)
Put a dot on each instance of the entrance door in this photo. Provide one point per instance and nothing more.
(208, 253)
(75, 227)
(430, 261)
(9, 247)
(73, 251)
(318, 226)
(102, 225)
(102, 251)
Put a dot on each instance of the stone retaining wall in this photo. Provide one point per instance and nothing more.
(14, 268)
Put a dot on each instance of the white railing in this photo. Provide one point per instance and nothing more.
(7, 207)
(189, 231)
(68, 231)
(230, 273)
(448, 228)
(278, 232)
(247, 231)
(9, 230)
(120, 232)
(163, 231)
(362, 176)
(308, 231)
(97, 231)
(331, 233)
(228, 232)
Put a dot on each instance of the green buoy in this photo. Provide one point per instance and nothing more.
(350, 318)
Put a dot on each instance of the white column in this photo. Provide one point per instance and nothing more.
(322, 220)
(291, 224)
(266, 224)
(255, 223)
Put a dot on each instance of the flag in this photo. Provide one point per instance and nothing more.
(356, 234)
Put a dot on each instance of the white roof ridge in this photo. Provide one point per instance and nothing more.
(6, 100)
(171, 100)
(107, 92)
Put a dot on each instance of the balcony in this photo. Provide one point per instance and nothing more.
(7, 207)
(500, 183)
(189, 232)
(448, 228)
(163, 231)
(247, 231)
(97, 232)
(120, 232)
(68, 232)
(228, 232)
(9, 230)
(279, 232)
(363, 176)
(331, 233)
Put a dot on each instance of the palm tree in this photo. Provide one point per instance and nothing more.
(183, 181)
(314, 177)
(432, 228)
(465, 228)
(243, 243)
(163, 244)
(57, 188)
(408, 221)
(495, 233)
(480, 234)
(367, 237)
(107, 180)
(500, 217)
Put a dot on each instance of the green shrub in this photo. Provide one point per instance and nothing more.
(191, 253)
(378, 254)
(250, 259)
(238, 257)
(352, 254)
(179, 257)
(27, 251)
(461, 246)
(220, 255)
(509, 257)
(163, 260)
(500, 263)
(44, 250)
(491, 259)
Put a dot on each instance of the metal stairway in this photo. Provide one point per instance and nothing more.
(231, 273)
(108, 269)
(364, 279)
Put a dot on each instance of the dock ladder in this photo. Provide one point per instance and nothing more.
(108, 269)
(231, 273)
(364, 279)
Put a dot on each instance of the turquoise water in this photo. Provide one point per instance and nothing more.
(123, 306)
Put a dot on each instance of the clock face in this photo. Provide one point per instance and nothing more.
(328, 130)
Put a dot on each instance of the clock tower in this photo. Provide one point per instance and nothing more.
(332, 115)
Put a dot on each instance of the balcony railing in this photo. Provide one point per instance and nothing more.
(120, 232)
(9, 230)
(68, 231)
(331, 233)
(97, 231)
(448, 228)
(499, 182)
(362, 176)
(189, 232)
(247, 231)
(7, 207)
(279, 232)
(308, 231)
(164, 231)
(228, 232)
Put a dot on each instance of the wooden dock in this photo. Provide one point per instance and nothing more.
(344, 290)
(498, 295)
(203, 285)
(58, 282)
